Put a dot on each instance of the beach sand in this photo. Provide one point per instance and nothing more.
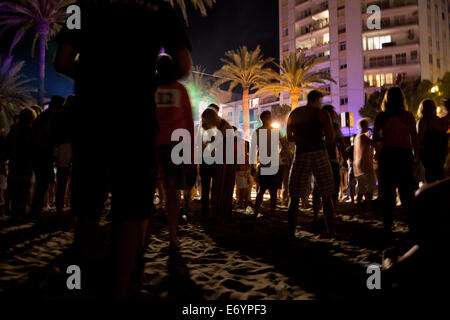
(246, 259)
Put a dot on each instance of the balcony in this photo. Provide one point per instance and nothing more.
(316, 26)
(387, 24)
(377, 65)
(314, 46)
(321, 12)
(387, 5)
(303, 15)
(393, 46)
(298, 2)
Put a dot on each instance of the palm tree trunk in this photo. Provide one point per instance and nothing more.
(42, 43)
(246, 112)
(294, 100)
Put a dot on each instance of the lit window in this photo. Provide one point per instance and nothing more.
(254, 102)
(326, 38)
(375, 43)
(389, 78)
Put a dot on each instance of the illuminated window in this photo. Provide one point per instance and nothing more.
(371, 80)
(254, 102)
(378, 80)
(326, 38)
(389, 78)
(376, 43)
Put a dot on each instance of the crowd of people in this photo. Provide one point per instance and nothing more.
(36, 160)
(89, 146)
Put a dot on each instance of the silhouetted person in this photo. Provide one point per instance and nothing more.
(338, 145)
(224, 175)
(61, 136)
(206, 172)
(173, 109)
(113, 59)
(420, 272)
(396, 139)
(433, 139)
(363, 163)
(43, 160)
(267, 182)
(306, 127)
(19, 152)
(351, 180)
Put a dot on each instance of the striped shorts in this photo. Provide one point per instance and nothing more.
(316, 163)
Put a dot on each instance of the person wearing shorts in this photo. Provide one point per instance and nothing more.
(306, 127)
(267, 182)
(115, 121)
(173, 109)
(363, 156)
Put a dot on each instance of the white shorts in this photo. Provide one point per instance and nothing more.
(366, 183)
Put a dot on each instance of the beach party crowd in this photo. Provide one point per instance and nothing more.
(86, 149)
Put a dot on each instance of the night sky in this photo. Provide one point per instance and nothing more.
(229, 24)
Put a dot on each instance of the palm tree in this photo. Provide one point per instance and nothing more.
(200, 5)
(296, 76)
(14, 90)
(45, 17)
(199, 88)
(247, 69)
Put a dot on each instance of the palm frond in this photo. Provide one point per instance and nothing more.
(296, 76)
(200, 5)
(243, 67)
(15, 91)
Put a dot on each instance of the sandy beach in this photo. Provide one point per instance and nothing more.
(241, 260)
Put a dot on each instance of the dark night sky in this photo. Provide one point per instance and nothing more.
(229, 24)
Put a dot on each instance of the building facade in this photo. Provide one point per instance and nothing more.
(412, 42)
(232, 111)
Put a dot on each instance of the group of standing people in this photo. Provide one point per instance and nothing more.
(121, 140)
(36, 159)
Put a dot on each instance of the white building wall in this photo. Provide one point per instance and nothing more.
(355, 69)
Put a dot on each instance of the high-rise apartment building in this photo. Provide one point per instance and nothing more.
(412, 41)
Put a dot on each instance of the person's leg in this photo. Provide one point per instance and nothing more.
(187, 195)
(240, 196)
(326, 186)
(206, 178)
(406, 187)
(62, 175)
(173, 207)
(360, 189)
(351, 185)
(258, 201)
(39, 194)
(317, 203)
(245, 197)
(337, 180)
(328, 211)
(286, 185)
(387, 188)
(162, 194)
(273, 200)
(292, 215)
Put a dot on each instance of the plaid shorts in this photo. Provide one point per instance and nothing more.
(316, 163)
